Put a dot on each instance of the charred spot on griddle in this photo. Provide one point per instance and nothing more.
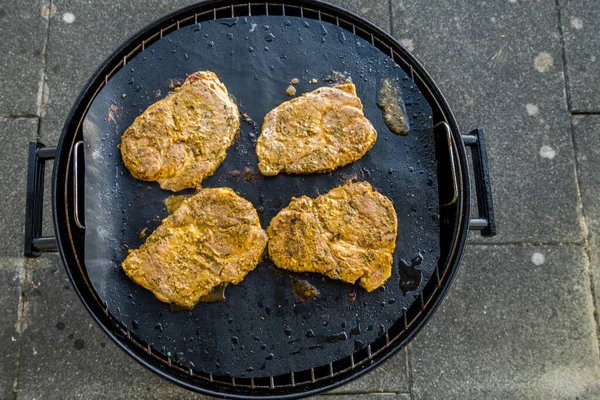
(303, 290)
(249, 174)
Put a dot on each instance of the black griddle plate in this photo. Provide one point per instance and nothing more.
(261, 329)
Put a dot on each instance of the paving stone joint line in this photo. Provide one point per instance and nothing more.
(24, 272)
(43, 90)
(18, 116)
(391, 13)
(584, 112)
(528, 244)
(563, 54)
(410, 371)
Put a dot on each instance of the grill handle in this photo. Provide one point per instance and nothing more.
(36, 244)
(486, 221)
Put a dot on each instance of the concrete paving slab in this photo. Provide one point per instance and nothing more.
(24, 33)
(580, 25)
(586, 131)
(9, 333)
(500, 66)
(372, 396)
(517, 324)
(15, 135)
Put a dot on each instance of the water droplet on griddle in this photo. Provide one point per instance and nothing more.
(391, 301)
(266, 27)
(235, 339)
(218, 365)
(269, 37)
(179, 356)
(338, 337)
(263, 346)
(250, 49)
(191, 364)
(229, 21)
(196, 27)
(206, 35)
(135, 324)
(323, 30)
(310, 333)
(287, 331)
(250, 369)
(270, 356)
(410, 274)
(315, 346)
(211, 44)
(306, 24)
(158, 327)
(229, 36)
(268, 310)
(287, 22)
(381, 330)
(342, 37)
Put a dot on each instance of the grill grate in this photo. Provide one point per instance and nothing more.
(402, 330)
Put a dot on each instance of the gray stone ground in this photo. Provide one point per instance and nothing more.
(520, 321)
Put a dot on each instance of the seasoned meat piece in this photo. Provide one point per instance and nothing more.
(348, 234)
(181, 139)
(214, 237)
(319, 131)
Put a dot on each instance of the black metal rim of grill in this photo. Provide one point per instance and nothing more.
(453, 173)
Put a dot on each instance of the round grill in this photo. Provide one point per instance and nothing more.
(128, 314)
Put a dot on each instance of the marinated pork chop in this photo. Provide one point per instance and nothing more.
(348, 234)
(213, 237)
(319, 131)
(181, 139)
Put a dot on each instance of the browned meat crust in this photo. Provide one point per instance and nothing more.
(319, 131)
(348, 234)
(181, 139)
(213, 237)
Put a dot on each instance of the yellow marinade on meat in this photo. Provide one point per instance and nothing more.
(316, 132)
(212, 238)
(348, 234)
(181, 140)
